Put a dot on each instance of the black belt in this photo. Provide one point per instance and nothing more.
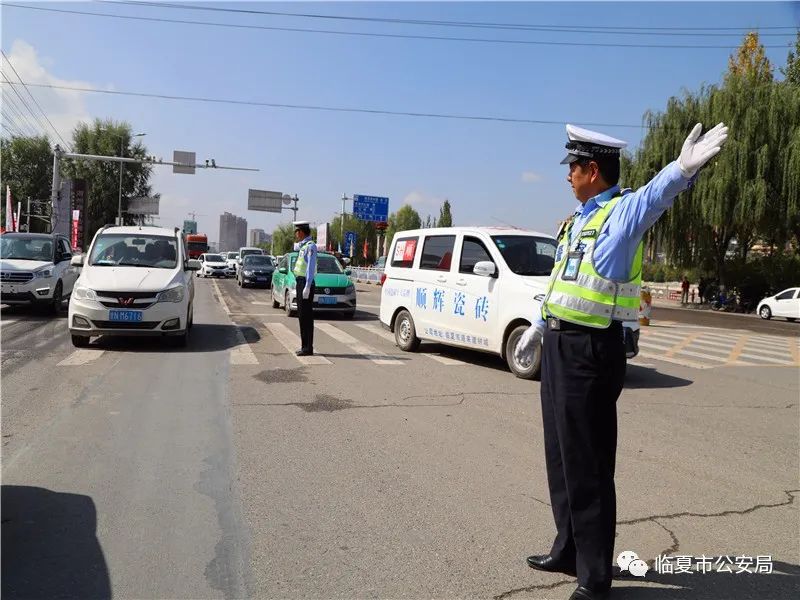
(555, 324)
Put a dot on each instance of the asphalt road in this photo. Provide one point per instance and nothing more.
(232, 468)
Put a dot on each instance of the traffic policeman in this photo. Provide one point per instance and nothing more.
(305, 268)
(593, 288)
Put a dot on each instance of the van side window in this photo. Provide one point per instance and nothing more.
(472, 251)
(437, 253)
(404, 251)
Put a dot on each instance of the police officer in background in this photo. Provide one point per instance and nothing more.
(593, 288)
(305, 267)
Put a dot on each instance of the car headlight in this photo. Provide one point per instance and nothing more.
(350, 289)
(248, 273)
(83, 293)
(173, 294)
(44, 273)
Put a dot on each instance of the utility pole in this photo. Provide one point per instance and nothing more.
(344, 199)
(28, 216)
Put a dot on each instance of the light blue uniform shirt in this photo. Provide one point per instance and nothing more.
(310, 249)
(629, 220)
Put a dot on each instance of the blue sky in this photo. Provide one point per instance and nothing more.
(491, 172)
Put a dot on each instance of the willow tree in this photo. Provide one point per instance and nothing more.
(750, 190)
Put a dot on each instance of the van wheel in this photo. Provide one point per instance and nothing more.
(522, 370)
(80, 341)
(405, 334)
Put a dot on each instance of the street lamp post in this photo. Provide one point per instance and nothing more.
(344, 199)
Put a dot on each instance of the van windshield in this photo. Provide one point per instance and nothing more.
(124, 250)
(527, 254)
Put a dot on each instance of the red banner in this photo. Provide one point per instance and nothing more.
(76, 219)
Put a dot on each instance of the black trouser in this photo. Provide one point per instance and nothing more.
(305, 313)
(582, 376)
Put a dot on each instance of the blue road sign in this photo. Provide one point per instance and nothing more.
(349, 243)
(371, 208)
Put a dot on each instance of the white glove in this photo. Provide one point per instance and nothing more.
(524, 351)
(306, 293)
(699, 149)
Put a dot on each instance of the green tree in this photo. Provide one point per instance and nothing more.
(283, 239)
(445, 216)
(750, 190)
(106, 138)
(404, 219)
(27, 168)
(792, 69)
(364, 230)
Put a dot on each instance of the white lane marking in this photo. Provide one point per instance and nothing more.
(686, 352)
(249, 314)
(259, 303)
(379, 331)
(766, 359)
(291, 341)
(376, 356)
(781, 353)
(360, 305)
(677, 361)
(7, 322)
(242, 354)
(81, 356)
(726, 346)
(221, 299)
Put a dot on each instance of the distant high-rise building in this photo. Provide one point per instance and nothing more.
(232, 232)
(257, 236)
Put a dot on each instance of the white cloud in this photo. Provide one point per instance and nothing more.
(64, 108)
(530, 177)
(421, 201)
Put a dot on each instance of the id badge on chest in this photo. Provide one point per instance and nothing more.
(571, 267)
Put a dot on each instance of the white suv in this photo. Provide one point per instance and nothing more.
(35, 268)
(135, 281)
(473, 287)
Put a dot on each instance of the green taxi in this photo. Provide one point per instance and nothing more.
(334, 291)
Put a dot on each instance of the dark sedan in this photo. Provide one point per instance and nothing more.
(256, 270)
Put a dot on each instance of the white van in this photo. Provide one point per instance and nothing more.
(245, 251)
(473, 287)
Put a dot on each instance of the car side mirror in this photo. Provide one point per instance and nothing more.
(76, 260)
(485, 268)
(283, 270)
(193, 265)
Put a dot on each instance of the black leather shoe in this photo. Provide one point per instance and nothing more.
(584, 593)
(303, 352)
(545, 562)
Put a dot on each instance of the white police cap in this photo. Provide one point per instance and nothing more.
(301, 223)
(584, 143)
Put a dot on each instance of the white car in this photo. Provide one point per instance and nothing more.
(472, 287)
(784, 304)
(134, 281)
(232, 258)
(214, 265)
(36, 269)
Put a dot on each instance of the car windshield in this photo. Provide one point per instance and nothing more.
(232, 255)
(128, 250)
(328, 264)
(214, 258)
(251, 252)
(257, 261)
(527, 254)
(198, 246)
(25, 247)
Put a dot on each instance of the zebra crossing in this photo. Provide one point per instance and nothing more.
(684, 345)
(707, 348)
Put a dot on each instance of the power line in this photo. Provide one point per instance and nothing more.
(26, 105)
(34, 100)
(386, 35)
(10, 124)
(617, 29)
(325, 108)
(11, 104)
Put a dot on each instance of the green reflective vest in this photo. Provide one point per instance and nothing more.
(591, 299)
(301, 264)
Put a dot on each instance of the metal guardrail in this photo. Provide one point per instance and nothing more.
(366, 275)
